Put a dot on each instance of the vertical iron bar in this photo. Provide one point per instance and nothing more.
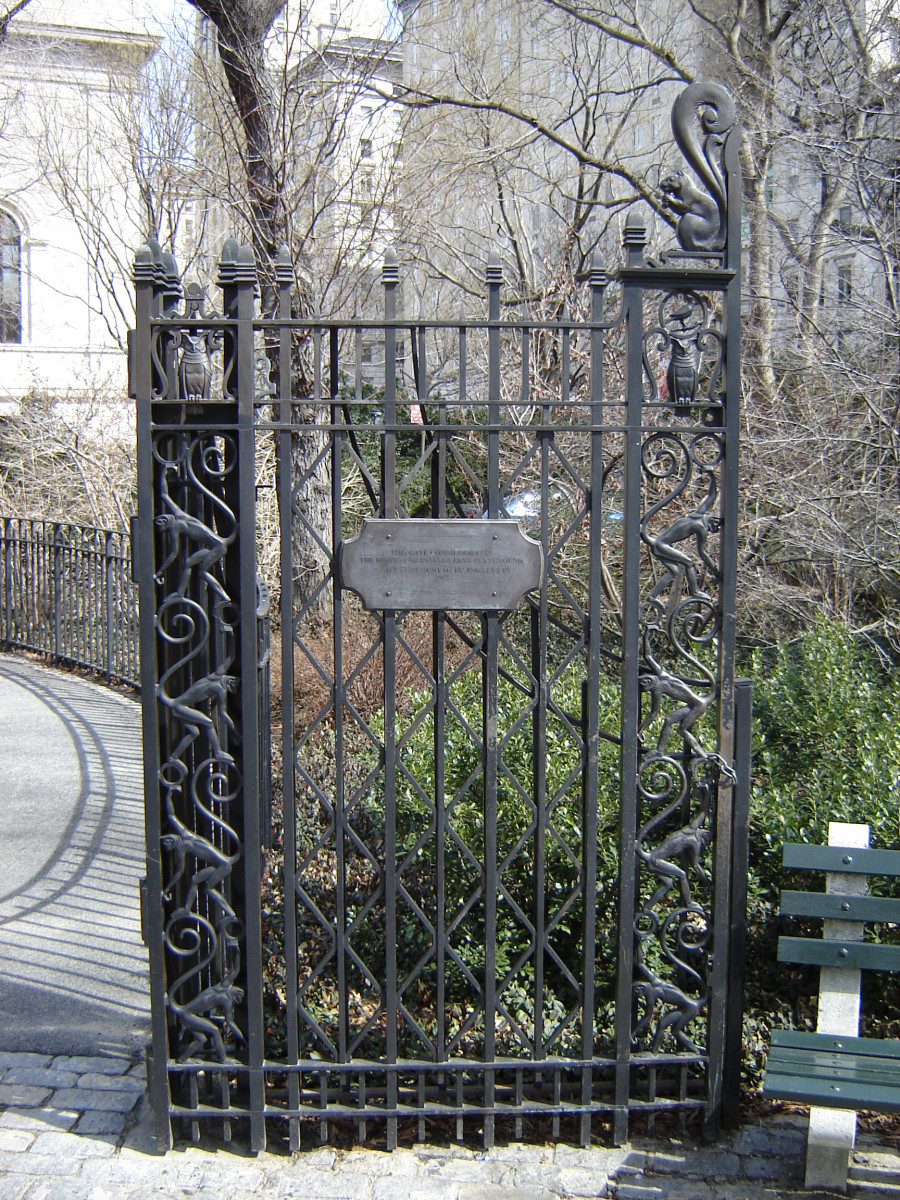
(635, 239)
(390, 278)
(439, 668)
(245, 275)
(57, 593)
(539, 615)
(728, 544)
(109, 572)
(284, 279)
(734, 1029)
(141, 390)
(494, 276)
(591, 715)
(341, 947)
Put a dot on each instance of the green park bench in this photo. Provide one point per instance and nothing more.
(834, 1069)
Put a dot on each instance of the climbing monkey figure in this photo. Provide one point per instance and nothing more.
(184, 842)
(666, 548)
(211, 689)
(674, 856)
(182, 528)
(661, 684)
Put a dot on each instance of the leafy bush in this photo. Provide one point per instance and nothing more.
(826, 748)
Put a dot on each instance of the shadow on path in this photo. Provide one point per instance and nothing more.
(73, 969)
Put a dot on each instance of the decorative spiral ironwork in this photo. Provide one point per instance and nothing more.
(196, 622)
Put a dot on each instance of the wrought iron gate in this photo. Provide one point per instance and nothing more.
(502, 884)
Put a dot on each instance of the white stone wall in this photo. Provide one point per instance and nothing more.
(63, 165)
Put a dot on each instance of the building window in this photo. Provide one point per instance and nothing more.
(365, 148)
(844, 283)
(845, 216)
(10, 280)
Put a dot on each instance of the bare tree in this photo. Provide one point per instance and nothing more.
(816, 86)
(7, 12)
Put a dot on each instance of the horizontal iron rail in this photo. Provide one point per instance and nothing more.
(411, 1066)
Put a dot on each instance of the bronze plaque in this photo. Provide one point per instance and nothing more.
(441, 564)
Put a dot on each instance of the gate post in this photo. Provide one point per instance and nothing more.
(142, 383)
(199, 662)
(237, 278)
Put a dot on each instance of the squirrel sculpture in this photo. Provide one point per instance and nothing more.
(701, 223)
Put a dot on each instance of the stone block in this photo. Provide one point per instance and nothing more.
(468, 1191)
(419, 1189)
(578, 1181)
(332, 1185)
(15, 1141)
(767, 1167)
(80, 1064)
(38, 1120)
(40, 1077)
(697, 1162)
(14, 1187)
(599, 1158)
(93, 1098)
(460, 1170)
(22, 1095)
(638, 1191)
(375, 1164)
(39, 1165)
(124, 1168)
(111, 1083)
(71, 1145)
(11, 1059)
(519, 1153)
(101, 1122)
(776, 1142)
(59, 1189)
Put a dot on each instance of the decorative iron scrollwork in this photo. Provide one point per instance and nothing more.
(702, 117)
(196, 624)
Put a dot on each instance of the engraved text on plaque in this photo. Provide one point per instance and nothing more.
(441, 564)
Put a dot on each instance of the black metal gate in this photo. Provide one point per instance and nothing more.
(502, 885)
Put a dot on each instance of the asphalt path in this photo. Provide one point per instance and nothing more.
(73, 969)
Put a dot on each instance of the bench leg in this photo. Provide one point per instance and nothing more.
(832, 1133)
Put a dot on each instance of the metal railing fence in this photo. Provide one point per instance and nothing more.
(67, 591)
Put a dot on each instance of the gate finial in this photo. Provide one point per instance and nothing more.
(390, 272)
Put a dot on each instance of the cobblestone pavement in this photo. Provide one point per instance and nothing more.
(76, 1128)
(73, 1117)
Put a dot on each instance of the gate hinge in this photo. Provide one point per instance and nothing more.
(145, 897)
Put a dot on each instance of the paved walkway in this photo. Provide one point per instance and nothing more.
(74, 1019)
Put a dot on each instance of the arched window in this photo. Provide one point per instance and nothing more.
(10, 280)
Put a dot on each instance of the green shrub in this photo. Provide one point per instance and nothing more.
(826, 746)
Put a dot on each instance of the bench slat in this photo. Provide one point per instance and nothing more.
(832, 1095)
(841, 908)
(810, 1064)
(819, 953)
(833, 1043)
(851, 860)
